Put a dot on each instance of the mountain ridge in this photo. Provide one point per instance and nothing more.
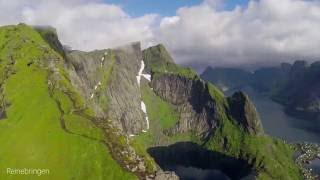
(293, 85)
(90, 103)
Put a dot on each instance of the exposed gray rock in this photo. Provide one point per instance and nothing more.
(107, 79)
(123, 92)
(166, 175)
(191, 96)
(243, 110)
(3, 113)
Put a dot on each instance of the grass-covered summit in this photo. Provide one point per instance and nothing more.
(158, 60)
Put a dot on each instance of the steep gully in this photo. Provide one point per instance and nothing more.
(99, 83)
(143, 105)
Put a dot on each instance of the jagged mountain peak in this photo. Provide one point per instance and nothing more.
(244, 112)
(159, 61)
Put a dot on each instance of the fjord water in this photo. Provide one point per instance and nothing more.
(278, 124)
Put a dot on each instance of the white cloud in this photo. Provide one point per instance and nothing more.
(81, 24)
(265, 32)
(214, 3)
(262, 33)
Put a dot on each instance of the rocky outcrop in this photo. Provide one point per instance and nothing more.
(3, 104)
(191, 96)
(107, 78)
(197, 107)
(243, 110)
(166, 175)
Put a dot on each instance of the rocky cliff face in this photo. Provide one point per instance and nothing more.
(107, 78)
(197, 108)
(195, 105)
(242, 110)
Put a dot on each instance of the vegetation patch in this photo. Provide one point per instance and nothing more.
(158, 60)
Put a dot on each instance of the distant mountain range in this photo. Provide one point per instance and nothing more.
(296, 86)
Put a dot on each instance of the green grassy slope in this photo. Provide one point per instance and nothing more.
(162, 115)
(159, 110)
(32, 136)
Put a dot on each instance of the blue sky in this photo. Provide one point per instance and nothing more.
(164, 7)
(230, 4)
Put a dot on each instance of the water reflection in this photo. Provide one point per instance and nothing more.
(192, 161)
(192, 173)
